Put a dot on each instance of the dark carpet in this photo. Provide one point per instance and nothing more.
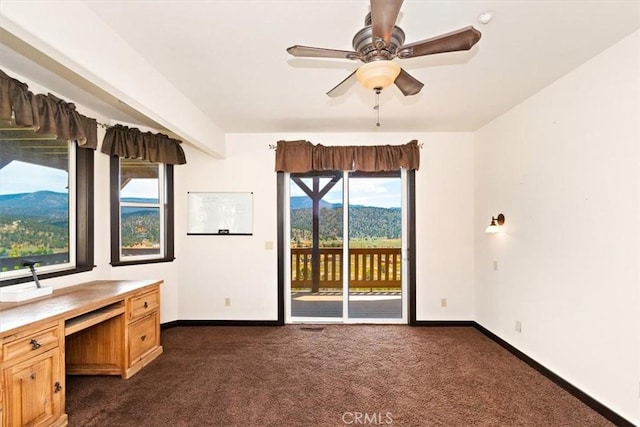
(327, 376)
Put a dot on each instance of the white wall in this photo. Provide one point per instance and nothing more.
(564, 169)
(240, 268)
(444, 226)
(213, 268)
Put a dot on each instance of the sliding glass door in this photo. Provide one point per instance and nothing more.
(357, 278)
(316, 241)
(375, 246)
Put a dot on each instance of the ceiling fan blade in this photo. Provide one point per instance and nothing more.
(408, 84)
(342, 87)
(384, 14)
(319, 52)
(462, 39)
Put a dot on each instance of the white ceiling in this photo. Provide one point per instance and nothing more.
(229, 58)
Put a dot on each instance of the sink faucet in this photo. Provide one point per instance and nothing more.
(31, 264)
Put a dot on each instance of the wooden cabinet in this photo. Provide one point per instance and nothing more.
(33, 378)
(126, 338)
(143, 330)
(98, 328)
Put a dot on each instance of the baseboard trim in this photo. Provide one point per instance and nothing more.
(609, 414)
(168, 325)
(448, 323)
(175, 323)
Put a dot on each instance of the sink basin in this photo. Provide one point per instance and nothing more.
(22, 293)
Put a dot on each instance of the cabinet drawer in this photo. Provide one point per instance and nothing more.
(31, 344)
(144, 304)
(143, 336)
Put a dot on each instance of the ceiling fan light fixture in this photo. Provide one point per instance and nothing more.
(378, 74)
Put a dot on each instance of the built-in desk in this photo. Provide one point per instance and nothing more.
(105, 327)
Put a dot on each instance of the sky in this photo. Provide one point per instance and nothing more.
(140, 188)
(379, 192)
(19, 177)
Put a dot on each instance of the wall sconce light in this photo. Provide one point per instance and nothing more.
(495, 225)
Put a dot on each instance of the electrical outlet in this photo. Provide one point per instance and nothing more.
(518, 326)
(227, 302)
(268, 245)
(443, 302)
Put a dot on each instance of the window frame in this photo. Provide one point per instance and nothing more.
(167, 211)
(83, 224)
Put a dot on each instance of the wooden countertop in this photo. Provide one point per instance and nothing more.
(67, 302)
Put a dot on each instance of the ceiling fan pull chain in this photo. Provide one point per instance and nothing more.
(377, 106)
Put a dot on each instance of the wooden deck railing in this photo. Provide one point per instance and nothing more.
(368, 268)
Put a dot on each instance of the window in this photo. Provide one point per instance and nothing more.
(46, 206)
(141, 211)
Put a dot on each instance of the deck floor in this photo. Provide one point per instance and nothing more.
(362, 305)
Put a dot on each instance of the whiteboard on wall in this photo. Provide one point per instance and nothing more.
(220, 213)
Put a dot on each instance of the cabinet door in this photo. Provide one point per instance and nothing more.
(33, 393)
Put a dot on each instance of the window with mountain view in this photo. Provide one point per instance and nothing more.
(37, 193)
(141, 230)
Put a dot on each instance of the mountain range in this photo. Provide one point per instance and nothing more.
(38, 204)
(304, 202)
(364, 221)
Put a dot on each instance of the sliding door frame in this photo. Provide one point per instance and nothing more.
(283, 245)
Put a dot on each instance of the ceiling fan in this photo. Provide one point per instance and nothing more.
(379, 42)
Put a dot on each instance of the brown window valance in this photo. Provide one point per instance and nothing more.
(45, 114)
(131, 143)
(302, 156)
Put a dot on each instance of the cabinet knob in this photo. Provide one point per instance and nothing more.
(146, 305)
(35, 344)
(57, 387)
(32, 376)
(142, 338)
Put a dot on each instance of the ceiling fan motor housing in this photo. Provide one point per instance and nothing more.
(364, 43)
